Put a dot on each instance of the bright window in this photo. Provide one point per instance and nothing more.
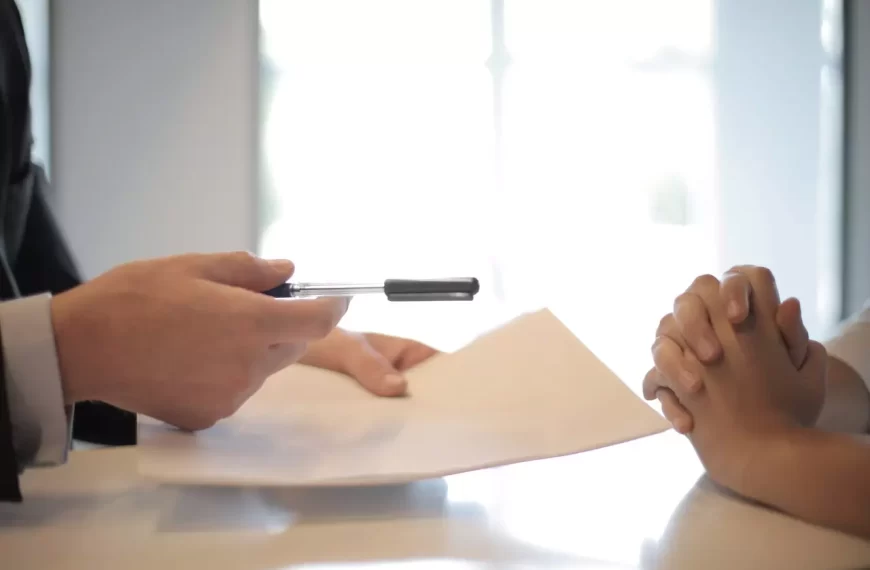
(562, 151)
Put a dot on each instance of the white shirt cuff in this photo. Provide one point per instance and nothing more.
(41, 427)
(852, 344)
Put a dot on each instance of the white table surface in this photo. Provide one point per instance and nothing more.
(635, 505)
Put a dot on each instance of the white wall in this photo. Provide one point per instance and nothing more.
(154, 130)
(775, 203)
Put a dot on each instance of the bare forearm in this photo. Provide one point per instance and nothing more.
(847, 402)
(820, 477)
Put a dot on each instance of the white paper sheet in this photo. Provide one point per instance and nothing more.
(528, 390)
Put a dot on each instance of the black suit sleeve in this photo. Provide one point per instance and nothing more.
(34, 257)
(9, 488)
(45, 264)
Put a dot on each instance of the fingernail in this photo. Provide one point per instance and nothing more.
(282, 265)
(690, 381)
(733, 310)
(395, 381)
(707, 349)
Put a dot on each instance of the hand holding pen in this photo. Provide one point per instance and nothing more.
(454, 289)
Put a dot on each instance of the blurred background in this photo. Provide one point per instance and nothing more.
(591, 156)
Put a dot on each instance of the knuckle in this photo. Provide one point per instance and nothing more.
(666, 325)
(186, 258)
(682, 298)
(666, 358)
(734, 281)
(689, 312)
(656, 346)
(662, 361)
(686, 302)
(661, 351)
(704, 283)
(651, 384)
(764, 274)
(242, 257)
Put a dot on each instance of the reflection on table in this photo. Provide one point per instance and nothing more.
(635, 505)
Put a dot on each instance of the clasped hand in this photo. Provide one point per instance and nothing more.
(734, 369)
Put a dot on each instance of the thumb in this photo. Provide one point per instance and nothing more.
(375, 373)
(793, 331)
(813, 377)
(816, 364)
(243, 269)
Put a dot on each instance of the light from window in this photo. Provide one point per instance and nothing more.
(562, 151)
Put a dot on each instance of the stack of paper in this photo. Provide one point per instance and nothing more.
(528, 390)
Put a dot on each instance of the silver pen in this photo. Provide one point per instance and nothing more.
(453, 289)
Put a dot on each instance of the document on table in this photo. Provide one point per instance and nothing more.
(528, 390)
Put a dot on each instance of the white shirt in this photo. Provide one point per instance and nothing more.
(852, 344)
(41, 427)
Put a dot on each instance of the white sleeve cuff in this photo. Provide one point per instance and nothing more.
(852, 344)
(41, 427)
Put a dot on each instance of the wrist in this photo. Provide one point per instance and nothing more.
(773, 460)
(75, 386)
